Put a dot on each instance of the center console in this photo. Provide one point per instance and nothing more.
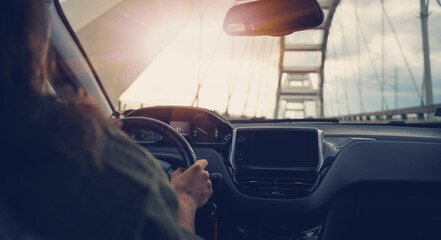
(276, 162)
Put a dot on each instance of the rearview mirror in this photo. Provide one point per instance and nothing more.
(272, 17)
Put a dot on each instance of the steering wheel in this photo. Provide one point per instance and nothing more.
(171, 134)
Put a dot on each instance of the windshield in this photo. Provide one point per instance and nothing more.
(368, 58)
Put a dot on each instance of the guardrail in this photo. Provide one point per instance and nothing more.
(420, 113)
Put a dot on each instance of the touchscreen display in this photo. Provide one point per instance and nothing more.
(284, 149)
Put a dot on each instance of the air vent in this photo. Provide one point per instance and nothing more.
(275, 183)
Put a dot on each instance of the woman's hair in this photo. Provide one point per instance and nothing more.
(24, 28)
(26, 59)
(25, 65)
(46, 142)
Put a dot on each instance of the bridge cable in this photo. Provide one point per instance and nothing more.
(204, 76)
(335, 94)
(409, 70)
(273, 65)
(359, 75)
(337, 90)
(262, 80)
(264, 72)
(257, 63)
(348, 62)
(250, 78)
(374, 69)
(383, 78)
(234, 80)
(345, 72)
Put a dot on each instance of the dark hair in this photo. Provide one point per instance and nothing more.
(25, 65)
(48, 141)
(24, 26)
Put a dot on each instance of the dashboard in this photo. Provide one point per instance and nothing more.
(301, 180)
(199, 126)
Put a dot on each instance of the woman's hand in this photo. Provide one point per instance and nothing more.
(193, 185)
(193, 189)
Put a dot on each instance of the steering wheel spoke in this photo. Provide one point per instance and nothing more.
(172, 135)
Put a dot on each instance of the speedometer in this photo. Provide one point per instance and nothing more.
(203, 130)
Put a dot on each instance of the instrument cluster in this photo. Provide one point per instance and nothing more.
(204, 130)
(197, 125)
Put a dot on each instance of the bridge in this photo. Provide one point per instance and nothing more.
(294, 84)
(301, 89)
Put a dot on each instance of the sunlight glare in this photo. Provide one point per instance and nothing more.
(243, 69)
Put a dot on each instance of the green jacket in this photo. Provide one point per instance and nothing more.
(69, 173)
(158, 207)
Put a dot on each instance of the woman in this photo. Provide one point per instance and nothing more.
(66, 171)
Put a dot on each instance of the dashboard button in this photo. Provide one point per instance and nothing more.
(243, 138)
(241, 158)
